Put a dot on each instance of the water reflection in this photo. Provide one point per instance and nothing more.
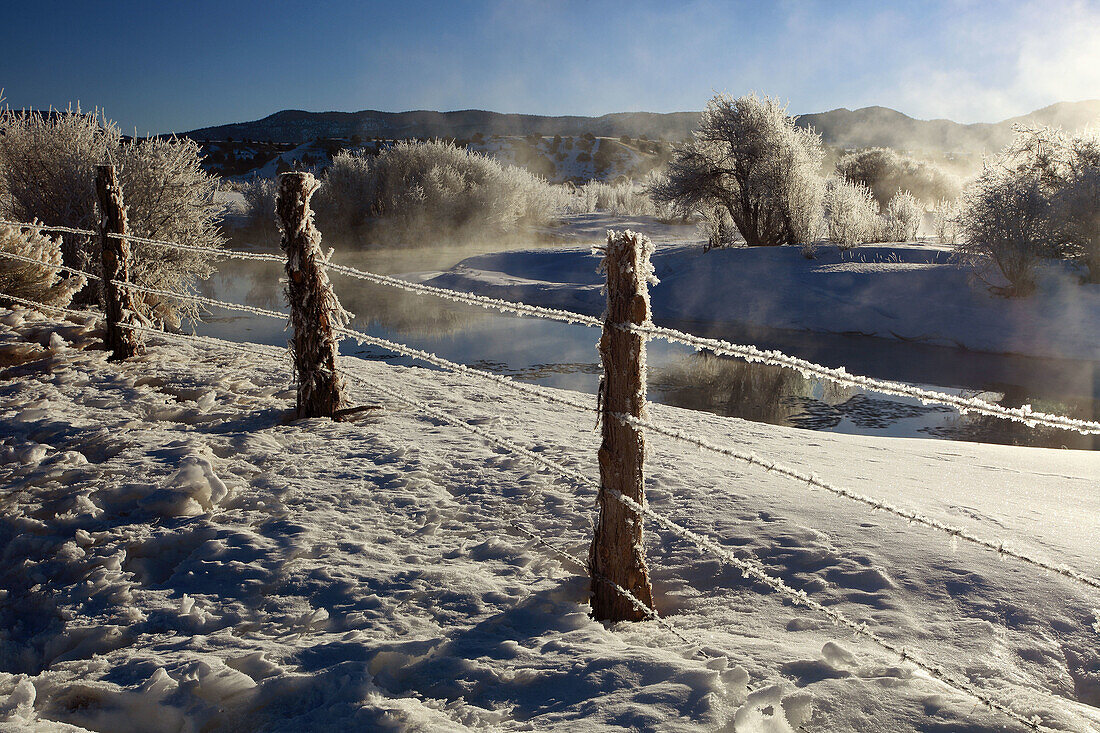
(864, 411)
(561, 355)
(781, 396)
(757, 392)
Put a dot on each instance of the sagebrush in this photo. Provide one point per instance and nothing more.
(851, 213)
(41, 283)
(621, 198)
(1038, 200)
(433, 187)
(259, 201)
(901, 218)
(946, 220)
(885, 171)
(48, 162)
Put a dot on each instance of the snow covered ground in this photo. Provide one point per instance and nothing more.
(901, 291)
(179, 555)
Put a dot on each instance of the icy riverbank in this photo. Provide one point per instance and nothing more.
(179, 556)
(896, 291)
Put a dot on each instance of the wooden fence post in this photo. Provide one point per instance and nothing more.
(122, 342)
(617, 553)
(315, 312)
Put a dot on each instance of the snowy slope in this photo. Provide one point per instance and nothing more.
(900, 291)
(178, 555)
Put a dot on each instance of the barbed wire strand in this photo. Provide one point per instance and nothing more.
(837, 375)
(910, 516)
(650, 613)
(1000, 547)
(45, 228)
(517, 308)
(840, 376)
(58, 308)
(756, 571)
(40, 263)
(751, 569)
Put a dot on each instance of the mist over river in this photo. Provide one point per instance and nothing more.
(561, 355)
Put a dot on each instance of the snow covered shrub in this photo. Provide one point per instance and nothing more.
(1050, 183)
(901, 218)
(433, 186)
(348, 190)
(886, 171)
(624, 198)
(946, 218)
(1077, 209)
(719, 230)
(35, 282)
(47, 163)
(170, 197)
(1006, 221)
(851, 213)
(259, 201)
(748, 158)
(1068, 166)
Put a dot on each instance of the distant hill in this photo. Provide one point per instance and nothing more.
(885, 127)
(843, 128)
(1067, 115)
(296, 126)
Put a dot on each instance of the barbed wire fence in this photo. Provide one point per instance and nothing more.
(836, 375)
(635, 420)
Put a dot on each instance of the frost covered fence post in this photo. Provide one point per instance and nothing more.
(617, 554)
(315, 313)
(122, 342)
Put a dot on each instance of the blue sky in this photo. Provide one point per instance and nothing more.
(164, 66)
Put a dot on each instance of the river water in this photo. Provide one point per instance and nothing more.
(561, 355)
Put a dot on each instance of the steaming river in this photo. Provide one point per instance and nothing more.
(560, 355)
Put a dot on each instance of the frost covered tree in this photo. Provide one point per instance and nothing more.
(1038, 200)
(47, 163)
(1006, 221)
(901, 218)
(1068, 170)
(750, 160)
(946, 220)
(25, 280)
(259, 201)
(886, 171)
(851, 213)
(432, 187)
(1077, 209)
